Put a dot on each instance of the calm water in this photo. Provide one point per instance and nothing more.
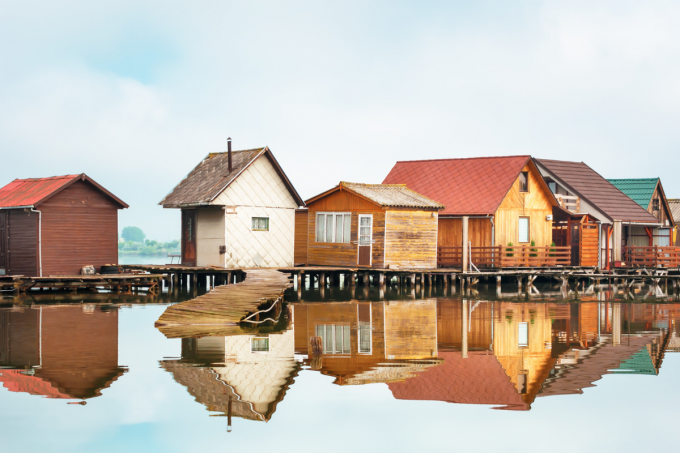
(90, 373)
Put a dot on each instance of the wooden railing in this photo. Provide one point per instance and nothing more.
(569, 202)
(505, 256)
(655, 256)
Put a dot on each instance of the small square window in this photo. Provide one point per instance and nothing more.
(260, 223)
(524, 181)
(259, 344)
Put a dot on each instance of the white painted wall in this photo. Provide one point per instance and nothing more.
(209, 237)
(258, 192)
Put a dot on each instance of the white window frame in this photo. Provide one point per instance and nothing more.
(370, 331)
(359, 237)
(260, 337)
(522, 326)
(519, 239)
(269, 223)
(334, 233)
(333, 328)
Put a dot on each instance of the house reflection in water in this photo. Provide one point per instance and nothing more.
(68, 352)
(369, 342)
(250, 372)
(502, 354)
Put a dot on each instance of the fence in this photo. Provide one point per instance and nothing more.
(506, 256)
(655, 256)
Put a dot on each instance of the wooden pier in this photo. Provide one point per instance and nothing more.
(119, 283)
(191, 276)
(220, 311)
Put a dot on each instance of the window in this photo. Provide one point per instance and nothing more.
(523, 230)
(334, 338)
(259, 344)
(553, 186)
(260, 223)
(333, 227)
(523, 335)
(524, 181)
(655, 204)
(365, 230)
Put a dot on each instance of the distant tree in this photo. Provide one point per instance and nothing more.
(133, 234)
(172, 245)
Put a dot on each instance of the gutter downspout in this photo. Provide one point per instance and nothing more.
(39, 238)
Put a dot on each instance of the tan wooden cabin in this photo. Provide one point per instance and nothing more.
(495, 206)
(368, 225)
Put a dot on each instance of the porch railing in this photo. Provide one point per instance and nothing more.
(569, 202)
(506, 256)
(656, 256)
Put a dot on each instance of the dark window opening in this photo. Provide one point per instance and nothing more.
(655, 204)
(524, 181)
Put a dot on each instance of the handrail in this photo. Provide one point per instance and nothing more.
(506, 256)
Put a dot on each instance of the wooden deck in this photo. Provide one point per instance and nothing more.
(125, 283)
(220, 311)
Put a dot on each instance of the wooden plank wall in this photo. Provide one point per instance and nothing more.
(411, 239)
(535, 204)
(411, 329)
(345, 254)
(22, 248)
(449, 326)
(589, 248)
(79, 228)
(301, 237)
(450, 232)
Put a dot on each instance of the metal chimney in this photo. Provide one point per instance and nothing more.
(229, 152)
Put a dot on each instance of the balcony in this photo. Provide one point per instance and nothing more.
(505, 256)
(571, 203)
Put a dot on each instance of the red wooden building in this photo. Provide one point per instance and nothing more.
(57, 225)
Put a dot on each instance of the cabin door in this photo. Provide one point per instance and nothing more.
(3, 242)
(575, 242)
(188, 237)
(365, 240)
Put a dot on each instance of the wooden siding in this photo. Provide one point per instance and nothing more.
(663, 214)
(79, 228)
(411, 329)
(22, 243)
(346, 254)
(450, 232)
(343, 201)
(450, 326)
(301, 238)
(411, 239)
(535, 204)
(589, 246)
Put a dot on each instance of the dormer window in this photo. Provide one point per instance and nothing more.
(656, 204)
(524, 181)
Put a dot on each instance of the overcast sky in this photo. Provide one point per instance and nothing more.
(136, 93)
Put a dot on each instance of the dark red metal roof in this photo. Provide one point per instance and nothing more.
(474, 186)
(33, 191)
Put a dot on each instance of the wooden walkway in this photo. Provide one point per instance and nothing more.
(220, 311)
(125, 283)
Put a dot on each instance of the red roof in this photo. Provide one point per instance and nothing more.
(19, 381)
(477, 379)
(32, 191)
(465, 186)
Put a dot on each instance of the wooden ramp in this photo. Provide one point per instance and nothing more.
(220, 311)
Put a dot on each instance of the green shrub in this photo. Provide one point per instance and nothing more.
(553, 249)
(509, 250)
(534, 254)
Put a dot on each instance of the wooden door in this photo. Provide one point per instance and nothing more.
(3, 241)
(188, 237)
(365, 243)
(575, 242)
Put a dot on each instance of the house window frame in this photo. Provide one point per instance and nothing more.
(260, 337)
(252, 219)
(335, 349)
(334, 215)
(520, 343)
(519, 239)
(656, 205)
(526, 177)
(365, 332)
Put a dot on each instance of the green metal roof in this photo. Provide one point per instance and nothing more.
(638, 363)
(640, 190)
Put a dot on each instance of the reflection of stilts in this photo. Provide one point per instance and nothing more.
(616, 324)
(464, 326)
(229, 415)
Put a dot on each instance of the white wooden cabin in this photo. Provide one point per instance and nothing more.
(238, 211)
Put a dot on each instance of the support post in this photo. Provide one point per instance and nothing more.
(464, 328)
(617, 240)
(465, 244)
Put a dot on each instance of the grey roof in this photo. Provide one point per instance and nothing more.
(392, 195)
(597, 191)
(675, 209)
(210, 177)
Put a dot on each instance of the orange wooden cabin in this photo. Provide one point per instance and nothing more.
(368, 225)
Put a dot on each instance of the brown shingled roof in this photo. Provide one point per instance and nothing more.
(211, 177)
(387, 195)
(465, 186)
(594, 189)
(675, 209)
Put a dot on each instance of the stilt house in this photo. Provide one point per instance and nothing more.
(491, 203)
(369, 225)
(582, 191)
(649, 194)
(57, 226)
(238, 211)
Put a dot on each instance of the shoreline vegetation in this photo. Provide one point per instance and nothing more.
(133, 242)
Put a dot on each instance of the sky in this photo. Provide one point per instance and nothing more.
(136, 93)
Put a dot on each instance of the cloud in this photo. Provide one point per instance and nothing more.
(136, 93)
